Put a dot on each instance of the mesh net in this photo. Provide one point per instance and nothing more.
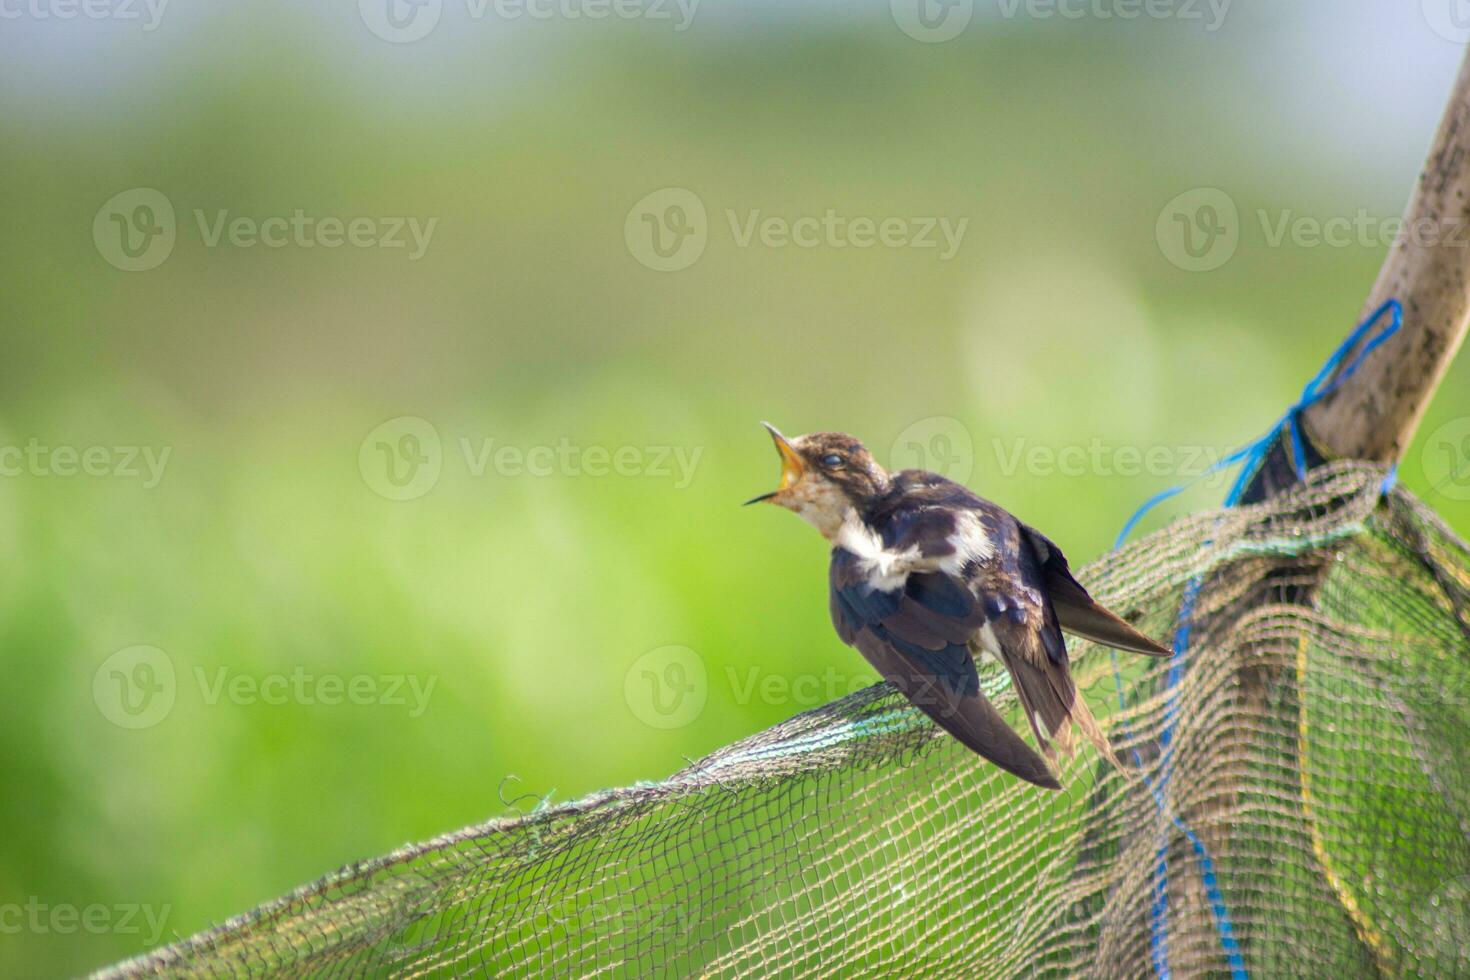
(1300, 805)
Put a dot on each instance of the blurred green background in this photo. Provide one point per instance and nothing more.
(531, 610)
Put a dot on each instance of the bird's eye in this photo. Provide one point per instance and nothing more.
(832, 461)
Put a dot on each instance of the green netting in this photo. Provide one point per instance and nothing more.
(1315, 820)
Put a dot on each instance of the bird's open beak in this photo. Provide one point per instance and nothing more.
(791, 464)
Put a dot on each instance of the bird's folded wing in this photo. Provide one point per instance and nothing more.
(917, 637)
(1077, 611)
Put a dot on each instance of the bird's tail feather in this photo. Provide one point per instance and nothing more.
(1052, 706)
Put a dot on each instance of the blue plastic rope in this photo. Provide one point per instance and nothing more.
(1317, 389)
(1253, 456)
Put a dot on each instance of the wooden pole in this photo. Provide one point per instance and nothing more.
(1373, 415)
(1376, 411)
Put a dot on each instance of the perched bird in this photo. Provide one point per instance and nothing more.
(925, 575)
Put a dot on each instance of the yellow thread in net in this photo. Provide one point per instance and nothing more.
(1364, 927)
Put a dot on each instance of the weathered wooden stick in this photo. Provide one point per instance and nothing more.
(1376, 411)
(1373, 415)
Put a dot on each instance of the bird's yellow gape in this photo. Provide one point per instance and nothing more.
(792, 467)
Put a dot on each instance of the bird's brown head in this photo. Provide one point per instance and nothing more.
(824, 477)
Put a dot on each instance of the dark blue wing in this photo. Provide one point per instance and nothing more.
(930, 619)
(917, 637)
(1076, 611)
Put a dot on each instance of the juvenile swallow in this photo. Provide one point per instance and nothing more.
(925, 576)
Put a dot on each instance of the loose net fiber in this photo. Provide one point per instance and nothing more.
(1300, 806)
